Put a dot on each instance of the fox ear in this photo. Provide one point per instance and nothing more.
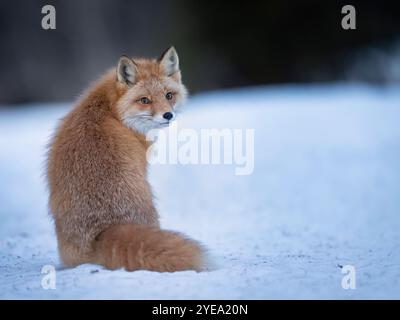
(169, 61)
(126, 71)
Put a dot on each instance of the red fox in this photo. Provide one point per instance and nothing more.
(100, 198)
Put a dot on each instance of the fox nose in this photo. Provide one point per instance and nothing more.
(168, 115)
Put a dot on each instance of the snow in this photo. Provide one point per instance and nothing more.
(325, 193)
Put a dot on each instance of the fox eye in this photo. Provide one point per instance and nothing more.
(144, 100)
(169, 95)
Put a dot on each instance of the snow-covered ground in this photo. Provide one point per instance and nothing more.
(325, 193)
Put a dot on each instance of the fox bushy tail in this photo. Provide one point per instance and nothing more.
(139, 247)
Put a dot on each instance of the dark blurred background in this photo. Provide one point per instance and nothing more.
(220, 44)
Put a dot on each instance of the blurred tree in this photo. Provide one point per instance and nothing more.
(221, 44)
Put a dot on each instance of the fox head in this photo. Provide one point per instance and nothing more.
(152, 91)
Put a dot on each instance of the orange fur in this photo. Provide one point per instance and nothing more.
(100, 198)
